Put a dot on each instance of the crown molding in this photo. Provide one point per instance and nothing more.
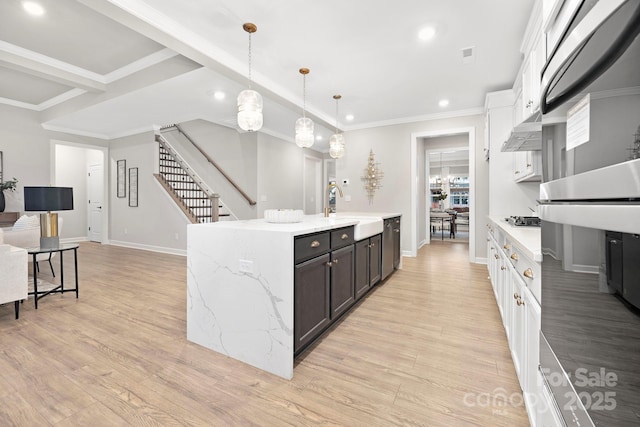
(427, 117)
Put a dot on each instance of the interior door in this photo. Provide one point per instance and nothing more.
(95, 196)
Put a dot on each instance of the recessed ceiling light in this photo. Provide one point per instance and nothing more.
(349, 117)
(319, 138)
(33, 8)
(219, 95)
(443, 102)
(427, 33)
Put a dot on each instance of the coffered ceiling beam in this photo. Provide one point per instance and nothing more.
(36, 64)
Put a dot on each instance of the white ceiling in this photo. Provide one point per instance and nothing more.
(73, 63)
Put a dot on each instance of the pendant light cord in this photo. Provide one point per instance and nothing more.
(250, 61)
(336, 116)
(304, 95)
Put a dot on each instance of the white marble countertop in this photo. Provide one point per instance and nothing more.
(309, 224)
(526, 238)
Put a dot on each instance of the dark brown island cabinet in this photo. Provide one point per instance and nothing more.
(390, 246)
(368, 263)
(332, 272)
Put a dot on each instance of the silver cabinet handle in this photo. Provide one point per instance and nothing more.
(345, 236)
(335, 261)
(315, 244)
(528, 273)
(329, 264)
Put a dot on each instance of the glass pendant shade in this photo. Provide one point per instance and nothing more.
(249, 110)
(336, 146)
(304, 132)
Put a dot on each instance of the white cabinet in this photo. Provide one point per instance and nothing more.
(515, 281)
(531, 75)
(533, 382)
(527, 166)
(517, 341)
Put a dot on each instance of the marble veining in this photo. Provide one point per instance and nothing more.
(240, 288)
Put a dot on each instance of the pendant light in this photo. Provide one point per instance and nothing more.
(336, 142)
(304, 125)
(250, 101)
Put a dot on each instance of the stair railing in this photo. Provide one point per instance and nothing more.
(214, 198)
(213, 163)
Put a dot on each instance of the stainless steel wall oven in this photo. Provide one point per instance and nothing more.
(590, 211)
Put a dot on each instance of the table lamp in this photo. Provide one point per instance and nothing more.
(48, 199)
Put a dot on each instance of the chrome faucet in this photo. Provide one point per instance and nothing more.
(329, 187)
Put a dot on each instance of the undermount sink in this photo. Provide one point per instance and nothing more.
(366, 226)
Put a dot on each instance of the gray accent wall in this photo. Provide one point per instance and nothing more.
(392, 148)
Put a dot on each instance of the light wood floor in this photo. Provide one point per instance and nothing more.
(425, 348)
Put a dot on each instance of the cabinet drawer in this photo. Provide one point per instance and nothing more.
(307, 247)
(342, 237)
(528, 270)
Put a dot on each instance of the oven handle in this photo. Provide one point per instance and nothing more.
(572, 44)
(547, 386)
(599, 216)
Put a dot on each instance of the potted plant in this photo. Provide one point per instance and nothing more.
(9, 186)
(441, 197)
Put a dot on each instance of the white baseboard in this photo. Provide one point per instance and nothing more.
(551, 253)
(151, 248)
(424, 242)
(408, 253)
(591, 269)
(74, 239)
(481, 261)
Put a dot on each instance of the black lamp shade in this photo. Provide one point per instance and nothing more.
(48, 199)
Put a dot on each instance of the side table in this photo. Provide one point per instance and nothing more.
(61, 249)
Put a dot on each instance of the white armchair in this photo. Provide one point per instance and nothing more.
(26, 234)
(13, 275)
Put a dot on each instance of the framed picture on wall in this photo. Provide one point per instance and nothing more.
(133, 187)
(121, 184)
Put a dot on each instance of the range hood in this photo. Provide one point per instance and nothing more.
(527, 136)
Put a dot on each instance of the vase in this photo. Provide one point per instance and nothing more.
(1, 201)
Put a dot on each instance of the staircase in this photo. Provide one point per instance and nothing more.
(198, 203)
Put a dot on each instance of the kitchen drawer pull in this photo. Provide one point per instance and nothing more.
(528, 273)
(329, 264)
(315, 244)
(372, 245)
(507, 246)
(335, 261)
(516, 296)
(502, 267)
(514, 256)
(496, 255)
(519, 301)
(345, 236)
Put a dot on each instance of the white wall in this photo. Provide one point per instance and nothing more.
(280, 174)
(29, 151)
(392, 148)
(157, 223)
(26, 153)
(235, 153)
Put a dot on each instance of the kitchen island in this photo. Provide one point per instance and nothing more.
(242, 274)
